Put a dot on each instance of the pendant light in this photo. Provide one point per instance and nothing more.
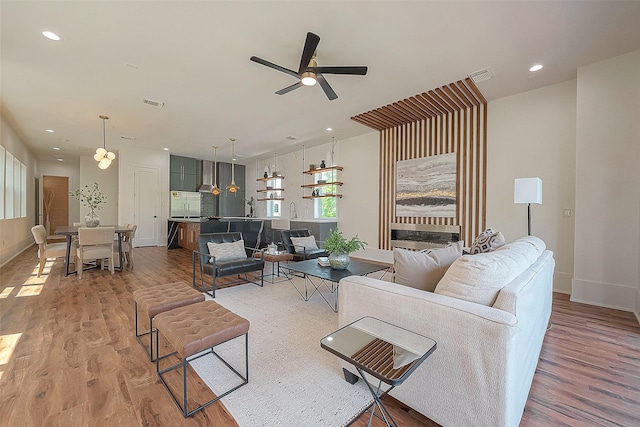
(232, 188)
(102, 156)
(215, 190)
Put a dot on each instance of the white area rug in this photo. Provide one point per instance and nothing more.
(292, 380)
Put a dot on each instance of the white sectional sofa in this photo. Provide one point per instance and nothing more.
(486, 356)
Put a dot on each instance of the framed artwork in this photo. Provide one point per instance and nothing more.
(426, 187)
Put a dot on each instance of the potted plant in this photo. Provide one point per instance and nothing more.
(91, 197)
(339, 248)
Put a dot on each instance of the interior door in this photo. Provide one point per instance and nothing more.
(55, 202)
(146, 206)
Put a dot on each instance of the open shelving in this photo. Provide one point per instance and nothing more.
(333, 184)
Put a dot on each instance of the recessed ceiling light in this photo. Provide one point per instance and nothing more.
(536, 67)
(329, 129)
(165, 149)
(50, 35)
(50, 130)
(61, 160)
(56, 148)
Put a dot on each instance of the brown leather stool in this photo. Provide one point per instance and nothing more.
(158, 299)
(198, 327)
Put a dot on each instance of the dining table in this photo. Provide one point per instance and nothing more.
(70, 230)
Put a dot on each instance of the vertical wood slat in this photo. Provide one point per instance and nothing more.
(449, 119)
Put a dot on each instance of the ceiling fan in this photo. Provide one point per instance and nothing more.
(309, 72)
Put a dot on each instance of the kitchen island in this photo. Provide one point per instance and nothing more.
(183, 232)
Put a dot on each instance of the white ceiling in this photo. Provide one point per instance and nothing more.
(194, 56)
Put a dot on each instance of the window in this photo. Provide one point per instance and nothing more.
(13, 186)
(274, 207)
(325, 207)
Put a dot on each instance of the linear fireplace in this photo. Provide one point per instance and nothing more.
(423, 236)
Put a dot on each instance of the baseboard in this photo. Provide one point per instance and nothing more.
(28, 243)
(637, 310)
(619, 297)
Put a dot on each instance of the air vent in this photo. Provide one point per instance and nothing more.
(130, 138)
(152, 102)
(292, 138)
(482, 75)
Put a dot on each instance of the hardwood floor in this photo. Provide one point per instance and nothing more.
(69, 357)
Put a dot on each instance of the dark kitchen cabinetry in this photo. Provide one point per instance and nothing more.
(231, 204)
(182, 173)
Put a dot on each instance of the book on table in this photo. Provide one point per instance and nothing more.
(323, 261)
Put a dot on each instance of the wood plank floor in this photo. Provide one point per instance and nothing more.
(69, 357)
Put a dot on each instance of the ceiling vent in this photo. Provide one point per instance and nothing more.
(482, 75)
(152, 102)
(130, 138)
(292, 138)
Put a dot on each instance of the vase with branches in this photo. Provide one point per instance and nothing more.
(48, 202)
(91, 197)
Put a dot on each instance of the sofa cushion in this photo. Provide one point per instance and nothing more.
(424, 269)
(307, 242)
(489, 240)
(227, 251)
(479, 278)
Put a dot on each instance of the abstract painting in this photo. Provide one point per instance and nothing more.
(426, 187)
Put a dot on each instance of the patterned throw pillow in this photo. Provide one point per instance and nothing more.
(302, 243)
(489, 240)
(227, 251)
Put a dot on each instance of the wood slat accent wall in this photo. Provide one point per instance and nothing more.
(449, 119)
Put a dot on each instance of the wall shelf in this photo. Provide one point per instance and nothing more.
(270, 178)
(330, 168)
(268, 190)
(322, 184)
(270, 198)
(339, 196)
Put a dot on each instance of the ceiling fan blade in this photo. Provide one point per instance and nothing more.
(289, 88)
(274, 66)
(310, 46)
(326, 87)
(355, 70)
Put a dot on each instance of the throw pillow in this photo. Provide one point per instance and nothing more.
(479, 278)
(487, 241)
(424, 269)
(227, 251)
(307, 242)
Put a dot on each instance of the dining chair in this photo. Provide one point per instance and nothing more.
(95, 243)
(127, 245)
(48, 250)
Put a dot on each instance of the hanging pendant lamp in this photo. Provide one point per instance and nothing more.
(215, 190)
(102, 156)
(232, 188)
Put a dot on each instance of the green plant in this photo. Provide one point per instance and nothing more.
(249, 201)
(90, 196)
(337, 243)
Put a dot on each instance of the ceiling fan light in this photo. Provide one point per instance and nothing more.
(308, 78)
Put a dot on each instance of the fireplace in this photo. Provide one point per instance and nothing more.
(423, 236)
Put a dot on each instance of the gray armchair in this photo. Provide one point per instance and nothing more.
(225, 264)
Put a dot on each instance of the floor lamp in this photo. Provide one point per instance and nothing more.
(527, 191)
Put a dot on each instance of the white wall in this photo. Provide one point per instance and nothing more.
(532, 134)
(15, 234)
(357, 210)
(607, 179)
(107, 180)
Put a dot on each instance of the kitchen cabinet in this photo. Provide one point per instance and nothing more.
(231, 204)
(188, 235)
(182, 173)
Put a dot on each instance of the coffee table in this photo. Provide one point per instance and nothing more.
(274, 259)
(328, 277)
(385, 351)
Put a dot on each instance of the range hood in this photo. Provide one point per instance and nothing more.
(205, 174)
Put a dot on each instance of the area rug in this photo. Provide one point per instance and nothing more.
(292, 380)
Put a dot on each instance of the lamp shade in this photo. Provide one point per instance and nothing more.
(527, 190)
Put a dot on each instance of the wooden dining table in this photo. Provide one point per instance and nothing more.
(69, 231)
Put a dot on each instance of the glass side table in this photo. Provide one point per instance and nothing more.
(385, 351)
